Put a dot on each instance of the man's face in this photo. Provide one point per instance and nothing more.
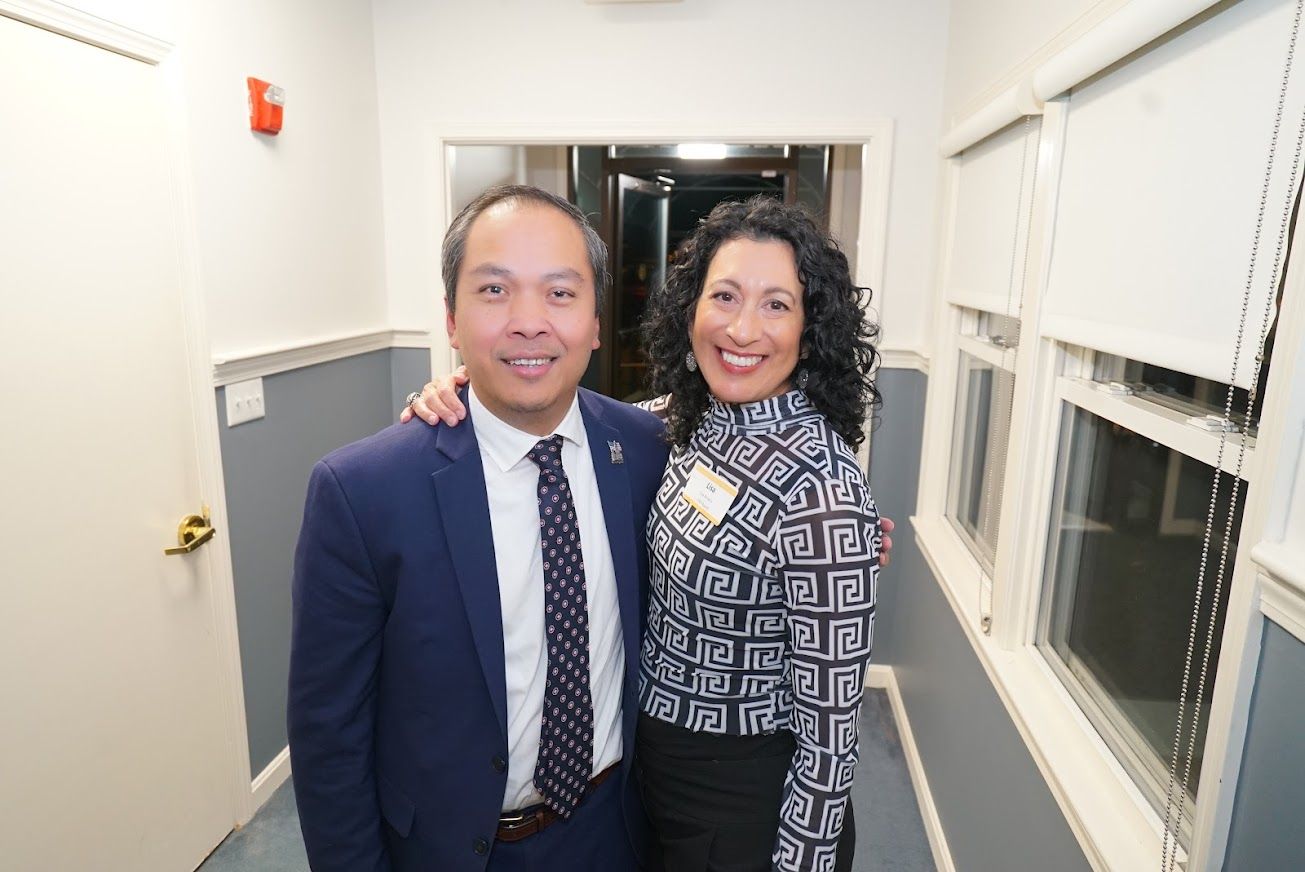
(525, 317)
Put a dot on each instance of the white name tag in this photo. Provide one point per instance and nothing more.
(709, 493)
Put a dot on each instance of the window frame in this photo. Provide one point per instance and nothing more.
(1150, 420)
(1002, 360)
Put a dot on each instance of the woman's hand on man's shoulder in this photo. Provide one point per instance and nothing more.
(438, 401)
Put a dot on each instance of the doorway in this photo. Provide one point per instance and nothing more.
(644, 199)
(649, 198)
(119, 744)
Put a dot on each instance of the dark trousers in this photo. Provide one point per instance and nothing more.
(593, 838)
(714, 800)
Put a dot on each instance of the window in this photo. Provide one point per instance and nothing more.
(984, 392)
(1086, 519)
(1188, 394)
(1124, 549)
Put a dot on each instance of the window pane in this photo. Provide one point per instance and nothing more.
(1177, 390)
(1001, 330)
(1128, 522)
(983, 399)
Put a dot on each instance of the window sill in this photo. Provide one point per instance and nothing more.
(1113, 822)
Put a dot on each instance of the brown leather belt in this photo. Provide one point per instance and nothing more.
(513, 826)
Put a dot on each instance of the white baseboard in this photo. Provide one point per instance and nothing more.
(883, 678)
(878, 676)
(270, 779)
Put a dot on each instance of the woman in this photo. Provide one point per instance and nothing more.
(764, 546)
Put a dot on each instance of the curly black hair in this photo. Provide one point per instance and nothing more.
(837, 337)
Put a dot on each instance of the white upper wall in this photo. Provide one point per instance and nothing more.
(990, 38)
(743, 62)
(290, 230)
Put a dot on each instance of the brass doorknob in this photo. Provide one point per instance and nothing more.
(192, 532)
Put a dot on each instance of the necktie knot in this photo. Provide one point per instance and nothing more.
(547, 454)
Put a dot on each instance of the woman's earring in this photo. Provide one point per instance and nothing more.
(690, 362)
(803, 378)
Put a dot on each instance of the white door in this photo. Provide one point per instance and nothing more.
(114, 750)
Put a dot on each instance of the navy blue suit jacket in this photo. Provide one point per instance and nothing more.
(397, 703)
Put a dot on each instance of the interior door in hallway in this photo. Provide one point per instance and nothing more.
(639, 266)
(114, 745)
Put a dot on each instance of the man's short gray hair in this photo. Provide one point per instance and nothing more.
(455, 240)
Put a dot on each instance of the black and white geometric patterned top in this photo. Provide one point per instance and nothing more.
(764, 622)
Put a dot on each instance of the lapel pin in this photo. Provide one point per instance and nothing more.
(614, 448)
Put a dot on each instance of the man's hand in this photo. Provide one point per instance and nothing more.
(439, 401)
(885, 549)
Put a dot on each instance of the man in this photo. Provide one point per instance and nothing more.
(468, 601)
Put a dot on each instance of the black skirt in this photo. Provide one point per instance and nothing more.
(714, 799)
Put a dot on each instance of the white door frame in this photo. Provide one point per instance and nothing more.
(81, 26)
(876, 135)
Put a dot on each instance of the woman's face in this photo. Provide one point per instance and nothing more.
(747, 327)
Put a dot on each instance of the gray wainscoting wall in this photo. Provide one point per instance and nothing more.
(996, 809)
(1266, 832)
(409, 370)
(895, 444)
(310, 412)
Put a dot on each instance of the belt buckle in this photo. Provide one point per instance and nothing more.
(513, 821)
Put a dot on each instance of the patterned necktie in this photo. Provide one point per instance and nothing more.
(566, 735)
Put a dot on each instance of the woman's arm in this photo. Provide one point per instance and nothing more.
(829, 546)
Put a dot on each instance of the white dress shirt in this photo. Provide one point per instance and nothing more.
(510, 482)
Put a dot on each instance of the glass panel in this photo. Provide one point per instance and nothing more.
(643, 213)
(812, 176)
(1128, 521)
(1001, 330)
(1180, 391)
(695, 195)
(699, 150)
(587, 168)
(978, 467)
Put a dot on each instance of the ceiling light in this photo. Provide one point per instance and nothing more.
(701, 150)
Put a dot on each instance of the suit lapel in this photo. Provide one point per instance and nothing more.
(464, 508)
(618, 514)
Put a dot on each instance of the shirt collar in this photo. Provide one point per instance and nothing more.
(770, 415)
(507, 446)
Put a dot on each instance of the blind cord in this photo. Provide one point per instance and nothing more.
(1174, 798)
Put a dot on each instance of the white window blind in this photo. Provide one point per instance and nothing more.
(1160, 191)
(994, 187)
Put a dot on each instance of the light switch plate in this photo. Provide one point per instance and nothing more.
(244, 401)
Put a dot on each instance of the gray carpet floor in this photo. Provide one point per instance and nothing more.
(889, 830)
